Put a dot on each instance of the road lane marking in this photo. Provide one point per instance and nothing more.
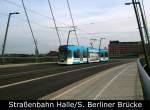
(109, 83)
(47, 76)
(79, 85)
(25, 72)
(71, 89)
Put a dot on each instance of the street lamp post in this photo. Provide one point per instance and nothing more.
(143, 20)
(140, 27)
(4, 44)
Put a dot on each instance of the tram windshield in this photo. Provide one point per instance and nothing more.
(64, 53)
(104, 54)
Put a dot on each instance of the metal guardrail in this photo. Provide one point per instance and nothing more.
(145, 79)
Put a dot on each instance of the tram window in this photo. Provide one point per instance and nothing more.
(84, 54)
(102, 55)
(75, 54)
(62, 52)
(69, 54)
(106, 54)
(78, 53)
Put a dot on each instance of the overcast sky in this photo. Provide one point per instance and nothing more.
(95, 18)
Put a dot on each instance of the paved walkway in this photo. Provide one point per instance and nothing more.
(118, 83)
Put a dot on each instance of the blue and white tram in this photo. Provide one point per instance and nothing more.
(93, 55)
(71, 54)
(104, 55)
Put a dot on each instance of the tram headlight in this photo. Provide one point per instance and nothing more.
(69, 60)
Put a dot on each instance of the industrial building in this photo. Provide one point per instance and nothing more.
(125, 49)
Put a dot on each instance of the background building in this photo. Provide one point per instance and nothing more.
(125, 49)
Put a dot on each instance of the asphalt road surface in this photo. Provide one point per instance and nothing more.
(36, 81)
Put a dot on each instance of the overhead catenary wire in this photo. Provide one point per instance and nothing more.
(39, 14)
(32, 11)
(61, 28)
(36, 23)
(3, 14)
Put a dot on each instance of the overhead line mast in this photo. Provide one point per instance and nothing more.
(72, 21)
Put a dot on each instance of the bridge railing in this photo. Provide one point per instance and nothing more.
(145, 79)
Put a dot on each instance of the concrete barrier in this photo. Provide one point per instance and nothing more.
(145, 79)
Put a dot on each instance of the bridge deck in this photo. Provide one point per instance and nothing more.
(118, 83)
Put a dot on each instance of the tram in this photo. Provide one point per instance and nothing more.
(104, 55)
(72, 54)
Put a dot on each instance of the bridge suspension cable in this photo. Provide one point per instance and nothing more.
(51, 10)
(72, 21)
(35, 42)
